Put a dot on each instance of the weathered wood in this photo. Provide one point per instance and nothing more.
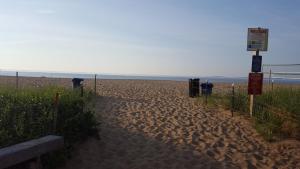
(25, 151)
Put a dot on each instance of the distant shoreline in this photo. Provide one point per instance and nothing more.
(213, 79)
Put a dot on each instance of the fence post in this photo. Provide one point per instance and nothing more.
(232, 101)
(17, 80)
(95, 87)
(81, 90)
(270, 76)
(56, 102)
(206, 92)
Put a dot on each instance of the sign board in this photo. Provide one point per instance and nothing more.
(255, 83)
(256, 63)
(257, 39)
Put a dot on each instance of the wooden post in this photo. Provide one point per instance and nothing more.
(56, 102)
(251, 104)
(232, 101)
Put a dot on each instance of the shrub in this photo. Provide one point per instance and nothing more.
(32, 113)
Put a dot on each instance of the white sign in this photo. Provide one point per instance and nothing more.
(257, 39)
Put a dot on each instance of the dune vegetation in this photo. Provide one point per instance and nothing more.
(276, 113)
(31, 113)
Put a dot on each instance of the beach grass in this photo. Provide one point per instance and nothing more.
(276, 113)
(31, 113)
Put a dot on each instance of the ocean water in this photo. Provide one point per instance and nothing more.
(212, 79)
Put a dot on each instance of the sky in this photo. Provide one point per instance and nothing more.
(145, 37)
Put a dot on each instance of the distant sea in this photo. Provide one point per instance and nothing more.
(212, 79)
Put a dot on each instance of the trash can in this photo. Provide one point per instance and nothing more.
(206, 88)
(194, 87)
(77, 82)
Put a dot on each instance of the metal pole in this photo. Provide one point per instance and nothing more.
(232, 106)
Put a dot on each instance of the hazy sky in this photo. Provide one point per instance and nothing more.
(149, 37)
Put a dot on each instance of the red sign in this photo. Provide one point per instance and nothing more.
(255, 83)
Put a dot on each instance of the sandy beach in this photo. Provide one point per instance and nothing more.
(154, 124)
(67, 65)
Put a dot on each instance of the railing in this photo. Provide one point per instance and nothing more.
(29, 151)
(279, 74)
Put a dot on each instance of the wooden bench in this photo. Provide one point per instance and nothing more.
(33, 149)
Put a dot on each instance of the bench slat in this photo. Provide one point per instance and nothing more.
(25, 151)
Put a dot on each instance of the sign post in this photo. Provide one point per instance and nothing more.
(251, 104)
(257, 41)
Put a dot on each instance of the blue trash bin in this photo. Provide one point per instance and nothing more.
(206, 88)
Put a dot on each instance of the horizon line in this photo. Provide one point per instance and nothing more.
(115, 74)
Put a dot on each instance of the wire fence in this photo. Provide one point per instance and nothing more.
(276, 112)
(281, 71)
(22, 79)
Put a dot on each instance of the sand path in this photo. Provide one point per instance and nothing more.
(153, 124)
